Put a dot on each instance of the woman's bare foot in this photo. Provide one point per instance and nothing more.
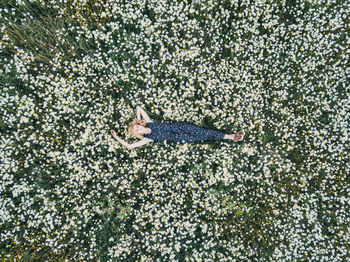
(240, 133)
(237, 136)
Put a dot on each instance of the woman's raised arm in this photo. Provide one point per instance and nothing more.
(139, 110)
(120, 140)
(138, 113)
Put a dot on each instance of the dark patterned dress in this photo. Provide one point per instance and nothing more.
(181, 132)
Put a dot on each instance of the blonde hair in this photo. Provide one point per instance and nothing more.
(131, 130)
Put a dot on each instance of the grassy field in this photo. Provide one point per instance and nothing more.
(73, 70)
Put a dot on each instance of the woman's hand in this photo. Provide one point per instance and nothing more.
(114, 134)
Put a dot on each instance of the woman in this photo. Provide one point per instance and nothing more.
(181, 132)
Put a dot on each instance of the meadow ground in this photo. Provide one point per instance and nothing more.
(73, 70)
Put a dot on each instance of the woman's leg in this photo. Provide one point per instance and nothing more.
(196, 132)
(181, 137)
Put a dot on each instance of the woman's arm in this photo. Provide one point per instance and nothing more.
(138, 113)
(142, 142)
(144, 114)
(120, 140)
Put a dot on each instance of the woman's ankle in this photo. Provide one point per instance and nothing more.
(230, 137)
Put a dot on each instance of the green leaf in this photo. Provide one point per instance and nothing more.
(239, 213)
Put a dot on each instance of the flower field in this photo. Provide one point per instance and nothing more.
(73, 70)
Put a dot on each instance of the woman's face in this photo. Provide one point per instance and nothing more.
(139, 129)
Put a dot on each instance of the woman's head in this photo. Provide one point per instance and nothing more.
(134, 123)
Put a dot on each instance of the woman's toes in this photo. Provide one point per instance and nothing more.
(240, 133)
(238, 138)
(233, 136)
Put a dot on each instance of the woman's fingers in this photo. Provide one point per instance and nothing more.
(113, 133)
